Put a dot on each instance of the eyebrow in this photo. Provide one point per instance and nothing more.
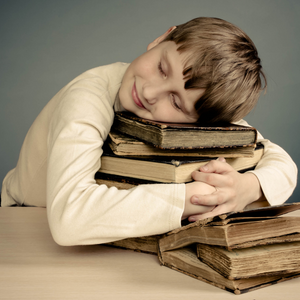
(170, 71)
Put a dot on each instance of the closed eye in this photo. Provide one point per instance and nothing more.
(161, 69)
(175, 103)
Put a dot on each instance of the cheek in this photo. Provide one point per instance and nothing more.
(145, 65)
(166, 114)
(143, 70)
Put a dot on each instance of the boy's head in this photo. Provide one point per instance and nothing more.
(224, 61)
(206, 69)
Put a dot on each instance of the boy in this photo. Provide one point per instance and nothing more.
(206, 70)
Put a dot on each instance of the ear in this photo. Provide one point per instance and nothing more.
(160, 38)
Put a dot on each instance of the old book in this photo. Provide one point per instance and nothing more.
(259, 226)
(121, 185)
(120, 182)
(123, 144)
(166, 169)
(185, 260)
(256, 261)
(184, 136)
(145, 244)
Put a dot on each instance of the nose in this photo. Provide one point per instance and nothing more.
(153, 92)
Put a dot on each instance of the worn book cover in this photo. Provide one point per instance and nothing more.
(166, 169)
(185, 260)
(184, 135)
(255, 261)
(145, 244)
(124, 144)
(120, 182)
(259, 226)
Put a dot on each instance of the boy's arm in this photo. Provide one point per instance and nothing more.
(79, 210)
(274, 179)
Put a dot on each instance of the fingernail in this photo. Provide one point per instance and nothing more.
(204, 168)
(192, 219)
(195, 200)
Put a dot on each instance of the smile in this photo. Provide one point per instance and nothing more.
(136, 98)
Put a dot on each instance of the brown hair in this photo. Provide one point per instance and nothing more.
(223, 61)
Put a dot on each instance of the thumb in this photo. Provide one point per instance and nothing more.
(218, 165)
(221, 159)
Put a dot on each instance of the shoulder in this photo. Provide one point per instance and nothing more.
(242, 122)
(113, 71)
(100, 81)
(89, 98)
(108, 75)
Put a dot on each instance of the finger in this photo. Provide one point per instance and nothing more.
(216, 198)
(214, 179)
(218, 210)
(221, 159)
(216, 166)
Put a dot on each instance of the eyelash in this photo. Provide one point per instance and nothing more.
(175, 103)
(161, 69)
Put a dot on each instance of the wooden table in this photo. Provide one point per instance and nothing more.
(33, 266)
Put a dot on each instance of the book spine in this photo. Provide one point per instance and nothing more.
(140, 131)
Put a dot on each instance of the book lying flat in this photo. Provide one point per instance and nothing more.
(185, 260)
(146, 244)
(166, 169)
(259, 226)
(123, 144)
(256, 261)
(119, 182)
(184, 135)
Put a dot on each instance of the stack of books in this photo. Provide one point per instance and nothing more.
(140, 151)
(238, 252)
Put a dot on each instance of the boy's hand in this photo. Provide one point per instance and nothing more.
(234, 191)
(196, 188)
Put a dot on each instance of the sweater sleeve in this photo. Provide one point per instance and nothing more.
(81, 211)
(276, 171)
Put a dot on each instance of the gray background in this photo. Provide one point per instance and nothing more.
(45, 44)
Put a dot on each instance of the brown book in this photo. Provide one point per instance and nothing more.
(259, 226)
(185, 260)
(256, 261)
(166, 169)
(120, 182)
(184, 135)
(123, 144)
(145, 244)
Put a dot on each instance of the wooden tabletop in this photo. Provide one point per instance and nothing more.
(33, 266)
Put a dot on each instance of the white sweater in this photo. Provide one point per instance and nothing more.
(62, 152)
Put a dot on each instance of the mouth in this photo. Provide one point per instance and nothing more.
(136, 98)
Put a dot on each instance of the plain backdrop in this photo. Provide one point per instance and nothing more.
(45, 44)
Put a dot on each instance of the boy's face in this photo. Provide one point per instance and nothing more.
(153, 86)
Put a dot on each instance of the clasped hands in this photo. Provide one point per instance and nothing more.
(217, 189)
